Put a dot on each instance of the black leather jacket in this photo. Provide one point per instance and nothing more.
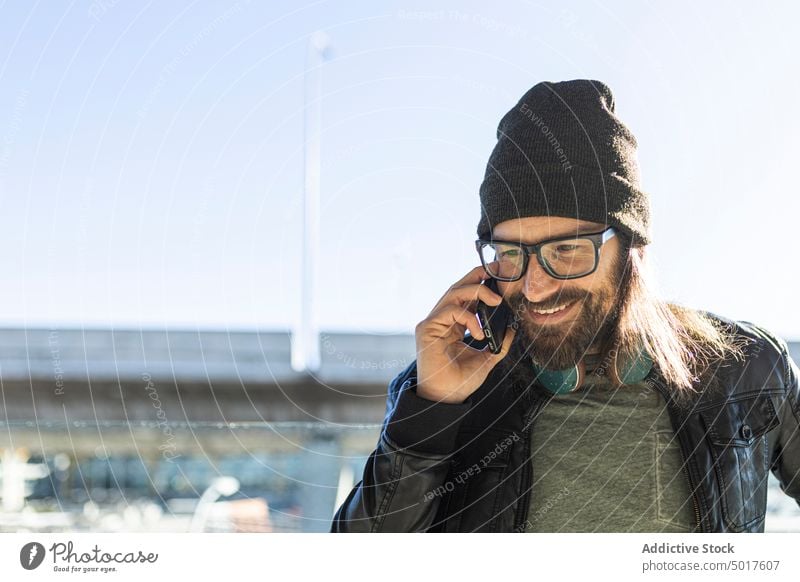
(467, 467)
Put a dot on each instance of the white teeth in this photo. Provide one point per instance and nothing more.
(549, 311)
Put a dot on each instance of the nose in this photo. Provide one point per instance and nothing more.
(537, 285)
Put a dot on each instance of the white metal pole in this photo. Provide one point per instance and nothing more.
(305, 340)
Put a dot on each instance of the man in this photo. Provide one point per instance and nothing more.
(607, 409)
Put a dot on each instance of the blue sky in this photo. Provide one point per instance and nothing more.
(151, 154)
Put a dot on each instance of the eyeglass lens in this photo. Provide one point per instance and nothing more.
(565, 258)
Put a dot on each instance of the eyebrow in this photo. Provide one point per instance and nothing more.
(581, 231)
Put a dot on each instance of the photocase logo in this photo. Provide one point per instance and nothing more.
(31, 555)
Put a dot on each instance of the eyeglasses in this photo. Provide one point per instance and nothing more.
(562, 258)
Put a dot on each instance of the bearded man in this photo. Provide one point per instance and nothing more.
(607, 409)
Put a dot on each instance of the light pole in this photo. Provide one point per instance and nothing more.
(305, 339)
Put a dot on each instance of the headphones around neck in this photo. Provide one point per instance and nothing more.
(564, 381)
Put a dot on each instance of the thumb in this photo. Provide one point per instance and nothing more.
(511, 333)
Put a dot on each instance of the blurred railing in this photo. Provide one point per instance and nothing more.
(236, 477)
(116, 476)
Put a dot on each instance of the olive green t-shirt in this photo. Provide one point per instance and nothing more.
(606, 460)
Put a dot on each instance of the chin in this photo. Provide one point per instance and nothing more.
(554, 347)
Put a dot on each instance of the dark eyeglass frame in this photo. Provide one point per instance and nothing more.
(597, 238)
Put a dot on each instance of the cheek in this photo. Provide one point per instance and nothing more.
(600, 279)
(592, 282)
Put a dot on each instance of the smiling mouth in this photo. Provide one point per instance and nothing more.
(553, 310)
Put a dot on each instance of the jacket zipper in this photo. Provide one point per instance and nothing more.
(527, 472)
(686, 460)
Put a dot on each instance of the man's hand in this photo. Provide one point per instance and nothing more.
(448, 370)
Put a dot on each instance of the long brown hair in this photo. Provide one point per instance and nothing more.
(686, 346)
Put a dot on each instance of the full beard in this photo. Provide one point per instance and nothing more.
(561, 345)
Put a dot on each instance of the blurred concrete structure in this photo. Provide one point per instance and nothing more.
(100, 395)
(104, 375)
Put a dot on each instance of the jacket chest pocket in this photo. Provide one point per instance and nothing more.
(737, 433)
(478, 477)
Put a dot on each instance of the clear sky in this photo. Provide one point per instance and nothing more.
(151, 154)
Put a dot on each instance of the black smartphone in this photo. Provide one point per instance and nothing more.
(494, 320)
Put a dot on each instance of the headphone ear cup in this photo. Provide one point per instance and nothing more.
(634, 370)
(562, 381)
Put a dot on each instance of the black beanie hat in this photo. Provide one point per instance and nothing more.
(561, 151)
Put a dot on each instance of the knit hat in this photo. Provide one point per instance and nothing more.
(561, 151)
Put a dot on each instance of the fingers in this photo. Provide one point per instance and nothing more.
(451, 320)
(474, 277)
(455, 311)
(468, 295)
(490, 360)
